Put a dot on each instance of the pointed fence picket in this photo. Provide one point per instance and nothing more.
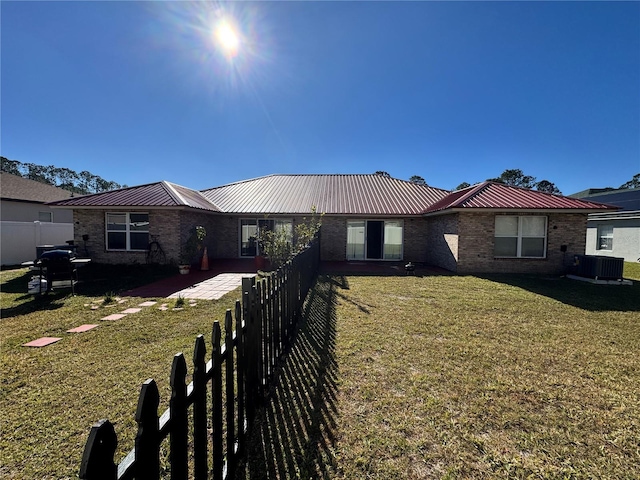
(237, 376)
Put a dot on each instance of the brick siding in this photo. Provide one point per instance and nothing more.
(442, 241)
(476, 245)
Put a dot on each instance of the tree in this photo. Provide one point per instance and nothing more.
(547, 187)
(463, 185)
(515, 178)
(382, 173)
(417, 179)
(10, 166)
(633, 183)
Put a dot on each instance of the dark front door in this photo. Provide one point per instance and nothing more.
(375, 231)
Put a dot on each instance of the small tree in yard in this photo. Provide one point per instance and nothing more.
(278, 246)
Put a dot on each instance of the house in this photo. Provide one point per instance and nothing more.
(614, 234)
(487, 227)
(26, 219)
(24, 200)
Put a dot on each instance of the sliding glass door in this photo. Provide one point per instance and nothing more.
(374, 239)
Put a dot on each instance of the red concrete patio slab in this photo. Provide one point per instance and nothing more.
(114, 316)
(42, 342)
(164, 288)
(131, 310)
(82, 328)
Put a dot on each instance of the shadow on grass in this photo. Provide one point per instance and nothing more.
(294, 434)
(584, 295)
(94, 280)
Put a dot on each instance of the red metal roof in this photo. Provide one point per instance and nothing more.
(160, 194)
(499, 196)
(330, 194)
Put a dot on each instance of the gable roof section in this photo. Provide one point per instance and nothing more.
(329, 194)
(159, 194)
(13, 187)
(491, 195)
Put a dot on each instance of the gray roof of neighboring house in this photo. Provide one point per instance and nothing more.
(13, 187)
(368, 194)
(159, 194)
(493, 195)
(625, 198)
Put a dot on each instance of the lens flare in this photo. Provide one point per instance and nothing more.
(227, 38)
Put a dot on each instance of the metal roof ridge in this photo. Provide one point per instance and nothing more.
(173, 191)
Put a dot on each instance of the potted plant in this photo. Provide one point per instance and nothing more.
(191, 248)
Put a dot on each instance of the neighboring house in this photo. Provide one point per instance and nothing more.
(23, 200)
(614, 234)
(27, 221)
(487, 227)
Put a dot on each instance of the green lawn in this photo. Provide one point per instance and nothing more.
(51, 396)
(458, 377)
(391, 377)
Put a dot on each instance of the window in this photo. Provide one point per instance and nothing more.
(45, 217)
(524, 236)
(605, 237)
(250, 229)
(127, 231)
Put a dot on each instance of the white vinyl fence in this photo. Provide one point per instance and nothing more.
(18, 240)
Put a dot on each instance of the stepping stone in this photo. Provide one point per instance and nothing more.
(82, 328)
(95, 307)
(121, 301)
(163, 308)
(147, 304)
(131, 310)
(42, 342)
(114, 316)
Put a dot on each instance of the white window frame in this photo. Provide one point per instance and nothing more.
(520, 236)
(352, 247)
(608, 235)
(127, 231)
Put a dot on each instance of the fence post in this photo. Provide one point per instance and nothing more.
(200, 469)
(248, 312)
(147, 443)
(230, 394)
(240, 369)
(216, 393)
(97, 459)
(178, 414)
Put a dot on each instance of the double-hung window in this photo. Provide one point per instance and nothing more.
(520, 236)
(127, 231)
(605, 237)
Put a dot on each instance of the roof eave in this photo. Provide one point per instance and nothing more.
(514, 210)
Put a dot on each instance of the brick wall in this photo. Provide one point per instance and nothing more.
(333, 239)
(169, 227)
(476, 245)
(441, 246)
(415, 239)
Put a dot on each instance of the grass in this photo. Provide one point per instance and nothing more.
(458, 377)
(51, 396)
(390, 377)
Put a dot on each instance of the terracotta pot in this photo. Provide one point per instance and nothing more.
(261, 262)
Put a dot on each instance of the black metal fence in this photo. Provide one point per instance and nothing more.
(220, 403)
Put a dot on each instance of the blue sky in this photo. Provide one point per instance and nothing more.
(138, 92)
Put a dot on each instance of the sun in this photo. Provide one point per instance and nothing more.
(227, 38)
